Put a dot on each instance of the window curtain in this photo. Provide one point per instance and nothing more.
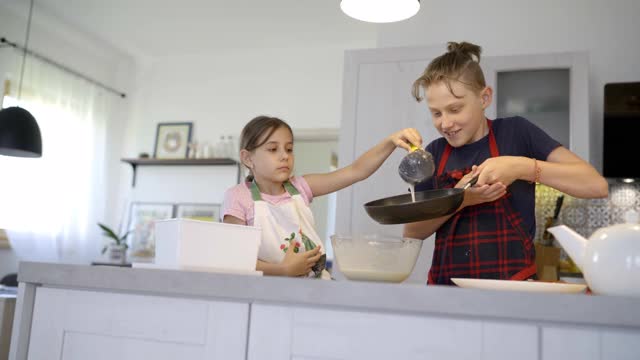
(50, 205)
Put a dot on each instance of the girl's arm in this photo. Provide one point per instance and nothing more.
(563, 170)
(364, 166)
(292, 265)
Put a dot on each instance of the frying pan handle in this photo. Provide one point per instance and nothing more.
(471, 182)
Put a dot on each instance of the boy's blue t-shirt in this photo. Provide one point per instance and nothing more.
(515, 136)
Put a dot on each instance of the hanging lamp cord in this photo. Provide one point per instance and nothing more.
(26, 46)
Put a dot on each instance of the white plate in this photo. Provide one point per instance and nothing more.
(199, 269)
(513, 285)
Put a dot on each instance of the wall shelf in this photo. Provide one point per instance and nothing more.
(180, 162)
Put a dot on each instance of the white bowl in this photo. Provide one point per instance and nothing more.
(375, 258)
(201, 245)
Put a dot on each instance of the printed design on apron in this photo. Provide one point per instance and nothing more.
(308, 243)
(482, 241)
(277, 222)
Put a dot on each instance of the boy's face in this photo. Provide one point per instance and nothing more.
(460, 120)
(273, 160)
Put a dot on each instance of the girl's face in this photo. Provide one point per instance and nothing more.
(460, 121)
(273, 160)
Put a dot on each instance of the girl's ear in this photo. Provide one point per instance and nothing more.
(486, 97)
(246, 158)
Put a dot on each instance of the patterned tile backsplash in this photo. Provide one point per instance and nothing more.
(586, 216)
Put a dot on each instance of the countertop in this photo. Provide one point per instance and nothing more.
(593, 310)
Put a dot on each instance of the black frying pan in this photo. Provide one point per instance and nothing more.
(429, 204)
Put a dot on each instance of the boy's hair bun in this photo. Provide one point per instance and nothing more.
(460, 63)
(469, 49)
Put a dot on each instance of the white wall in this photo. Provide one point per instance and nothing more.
(608, 30)
(76, 50)
(220, 90)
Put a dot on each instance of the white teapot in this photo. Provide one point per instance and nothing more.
(609, 260)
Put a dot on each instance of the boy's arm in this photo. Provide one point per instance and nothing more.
(364, 166)
(568, 173)
(563, 170)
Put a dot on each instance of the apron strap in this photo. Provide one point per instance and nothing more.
(291, 189)
(493, 150)
(255, 192)
(525, 273)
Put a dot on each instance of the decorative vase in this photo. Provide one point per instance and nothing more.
(117, 253)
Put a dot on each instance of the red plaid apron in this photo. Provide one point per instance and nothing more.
(484, 241)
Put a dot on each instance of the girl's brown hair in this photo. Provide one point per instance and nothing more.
(258, 131)
(460, 63)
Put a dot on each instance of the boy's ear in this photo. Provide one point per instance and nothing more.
(245, 158)
(486, 96)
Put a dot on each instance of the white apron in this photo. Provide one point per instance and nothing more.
(283, 225)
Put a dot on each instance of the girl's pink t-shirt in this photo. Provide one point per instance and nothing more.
(238, 202)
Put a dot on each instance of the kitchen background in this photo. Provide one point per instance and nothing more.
(219, 63)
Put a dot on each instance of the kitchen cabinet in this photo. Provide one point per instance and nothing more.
(295, 332)
(84, 312)
(7, 307)
(565, 342)
(550, 90)
(92, 325)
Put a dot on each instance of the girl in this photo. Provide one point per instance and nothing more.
(278, 202)
(491, 234)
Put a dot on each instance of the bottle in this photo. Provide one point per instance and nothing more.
(206, 151)
(192, 150)
(220, 150)
(231, 147)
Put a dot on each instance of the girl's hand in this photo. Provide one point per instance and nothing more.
(300, 264)
(502, 169)
(405, 137)
(479, 194)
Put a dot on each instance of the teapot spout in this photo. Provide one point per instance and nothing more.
(572, 242)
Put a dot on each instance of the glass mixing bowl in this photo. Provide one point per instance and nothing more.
(375, 257)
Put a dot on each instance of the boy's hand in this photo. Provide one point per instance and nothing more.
(300, 264)
(405, 137)
(479, 194)
(502, 169)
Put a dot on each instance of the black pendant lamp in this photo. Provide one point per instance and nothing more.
(19, 132)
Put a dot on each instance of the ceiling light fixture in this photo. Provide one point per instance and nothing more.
(19, 132)
(380, 11)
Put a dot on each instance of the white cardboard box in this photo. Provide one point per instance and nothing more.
(204, 245)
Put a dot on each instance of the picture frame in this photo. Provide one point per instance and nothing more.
(142, 217)
(203, 212)
(172, 140)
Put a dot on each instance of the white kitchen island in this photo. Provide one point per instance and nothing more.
(85, 312)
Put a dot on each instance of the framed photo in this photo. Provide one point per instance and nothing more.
(172, 140)
(204, 212)
(141, 224)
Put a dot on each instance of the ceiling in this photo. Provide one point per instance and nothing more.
(165, 28)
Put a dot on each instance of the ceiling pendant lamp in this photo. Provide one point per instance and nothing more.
(19, 132)
(380, 11)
